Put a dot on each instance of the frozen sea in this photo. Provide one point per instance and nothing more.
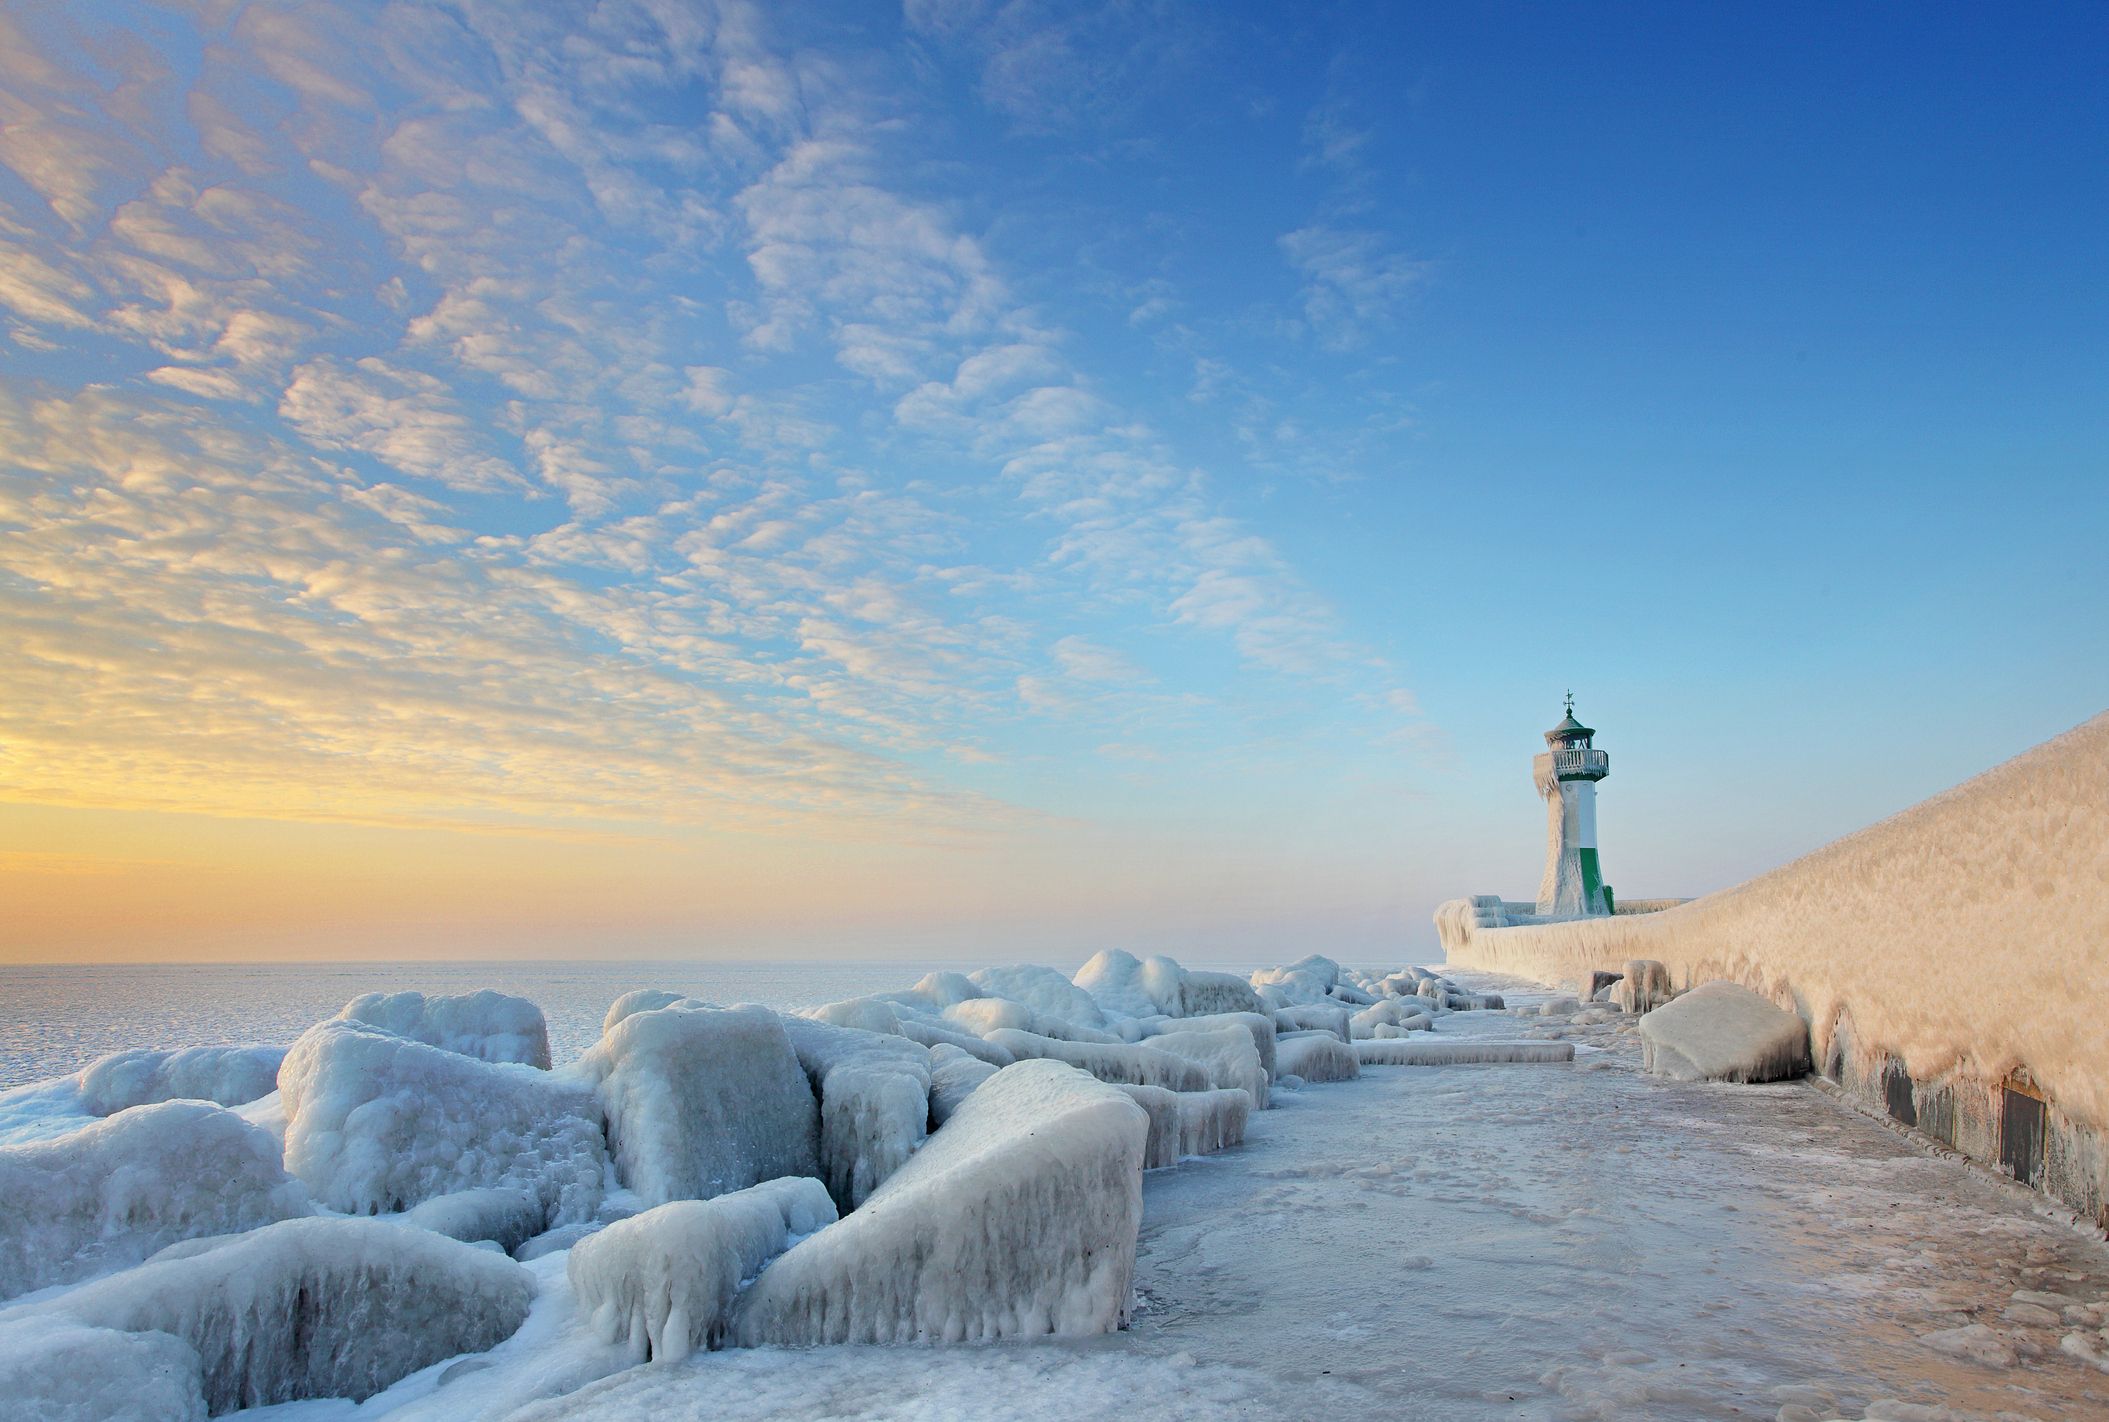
(57, 1019)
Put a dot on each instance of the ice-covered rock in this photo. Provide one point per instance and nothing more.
(54, 1370)
(927, 1029)
(664, 1281)
(1385, 1030)
(983, 1015)
(1292, 986)
(1205, 994)
(1315, 1057)
(1559, 1007)
(1162, 1146)
(113, 1192)
(376, 1123)
(1210, 1121)
(1392, 1012)
(312, 1307)
(1112, 1062)
(228, 1076)
(644, 1000)
(1128, 986)
(1324, 969)
(941, 990)
(1043, 990)
(1018, 1218)
(1313, 1017)
(1225, 1053)
(506, 1217)
(953, 1077)
(489, 1026)
(1643, 987)
(1722, 1031)
(874, 1095)
(1259, 1025)
(701, 1101)
(1456, 1051)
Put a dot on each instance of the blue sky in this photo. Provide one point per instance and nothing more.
(1023, 477)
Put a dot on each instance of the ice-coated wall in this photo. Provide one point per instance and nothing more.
(1965, 939)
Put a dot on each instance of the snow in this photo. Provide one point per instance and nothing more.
(1227, 1054)
(2001, 883)
(662, 1283)
(874, 1095)
(113, 1192)
(506, 1217)
(1041, 989)
(489, 1026)
(1422, 1051)
(1210, 1121)
(377, 1123)
(953, 1077)
(313, 1307)
(52, 1370)
(1722, 1031)
(1018, 1218)
(701, 1101)
(1318, 1057)
(228, 1076)
(1109, 1062)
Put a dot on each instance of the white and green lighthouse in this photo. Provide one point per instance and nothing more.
(1567, 773)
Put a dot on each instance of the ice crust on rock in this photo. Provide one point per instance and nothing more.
(874, 1095)
(1205, 994)
(1210, 1121)
(1393, 1012)
(489, 1026)
(1722, 1031)
(644, 1000)
(1259, 1025)
(1041, 989)
(1642, 987)
(983, 1015)
(115, 1191)
(1426, 1051)
(377, 1123)
(313, 1307)
(1310, 1017)
(1117, 1062)
(1226, 1053)
(1317, 1057)
(953, 1077)
(1019, 1218)
(506, 1217)
(54, 1370)
(1162, 1147)
(663, 1282)
(701, 1101)
(227, 1076)
(1128, 986)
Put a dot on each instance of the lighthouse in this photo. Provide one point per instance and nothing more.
(1567, 773)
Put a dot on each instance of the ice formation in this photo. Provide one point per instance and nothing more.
(1129, 986)
(312, 1308)
(1162, 1147)
(1258, 1024)
(1210, 1121)
(664, 1281)
(644, 1000)
(1111, 1062)
(982, 1015)
(1043, 990)
(1205, 994)
(700, 1101)
(1313, 1018)
(1642, 986)
(1425, 1051)
(874, 1095)
(953, 1077)
(54, 1370)
(115, 1191)
(1018, 1218)
(1722, 1031)
(1315, 1057)
(506, 1217)
(489, 1026)
(1226, 1053)
(228, 1076)
(1394, 1012)
(377, 1123)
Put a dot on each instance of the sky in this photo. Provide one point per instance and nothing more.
(1004, 480)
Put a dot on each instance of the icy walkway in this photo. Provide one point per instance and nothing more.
(1542, 1242)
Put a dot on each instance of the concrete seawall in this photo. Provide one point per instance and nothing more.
(1952, 961)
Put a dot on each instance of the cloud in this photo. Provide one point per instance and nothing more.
(1354, 281)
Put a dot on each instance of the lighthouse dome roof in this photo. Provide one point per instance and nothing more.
(1569, 729)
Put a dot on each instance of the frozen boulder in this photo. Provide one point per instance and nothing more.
(954, 1075)
(1017, 1219)
(1643, 987)
(489, 1026)
(54, 1370)
(506, 1217)
(1128, 986)
(1392, 1012)
(1113, 1062)
(1043, 990)
(1210, 1121)
(376, 1123)
(664, 1281)
(1316, 1057)
(1260, 1026)
(1162, 1146)
(983, 1015)
(313, 1308)
(701, 1101)
(1721, 1031)
(228, 1076)
(927, 1029)
(1226, 1054)
(1312, 1017)
(1292, 986)
(1205, 994)
(941, 990)
(1324, 969)
(1559, 1007)
(643, 1000)
(113, 1192)
(874, 1095)
(1384, 1030)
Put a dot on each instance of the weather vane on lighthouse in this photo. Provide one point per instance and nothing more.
(1567, 773)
